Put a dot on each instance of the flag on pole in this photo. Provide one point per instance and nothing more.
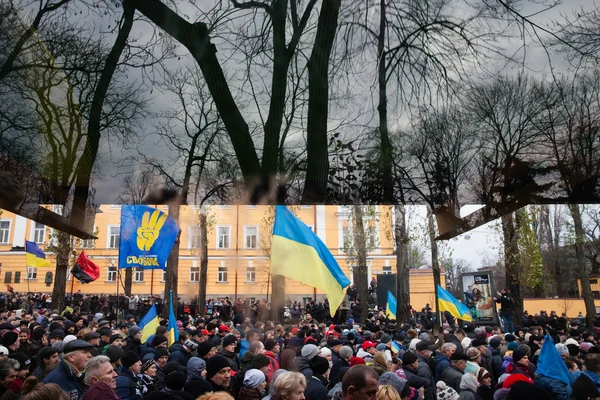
(299, 254)
(173, 332)
(85, 270)
(149, 323)
(390, 307)
(35, 257)
(447, 302)
(550, 363)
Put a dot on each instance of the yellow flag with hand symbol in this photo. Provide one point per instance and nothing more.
(150, 229)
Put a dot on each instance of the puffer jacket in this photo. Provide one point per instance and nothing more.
(179, 354)
(425, 372)
(559, 389)
(442, 362)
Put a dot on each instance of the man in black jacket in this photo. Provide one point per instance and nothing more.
(506, 312)
(218, 373)
(316, 385)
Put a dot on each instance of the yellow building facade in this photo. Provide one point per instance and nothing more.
(238, 243)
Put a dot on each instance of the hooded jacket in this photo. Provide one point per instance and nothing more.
(304, 367)
(368, 357)
(274, 364)
(442, 362)
(179, 354)
(195, 367)
(100, 391)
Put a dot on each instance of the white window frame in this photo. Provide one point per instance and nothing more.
(251, 207)
(35, 231)
(246, 235)
(306, 206)
(111, 273)
(228, 227)
(164, 275)
(115, 206)
(86, 242)
(109, 235)
(191, 234)
(222, 273)
(194, 272)
(346, 231)
(137, 274)
(250, 273)
(224, 207)
(373, 238)
(5, 230)
(31, 274)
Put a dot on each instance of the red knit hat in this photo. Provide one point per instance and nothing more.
(356, 361)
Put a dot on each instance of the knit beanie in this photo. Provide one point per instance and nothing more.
(160, 353)
(133, 331)
(518, 355)
(356, 361)
(253, 378)
(157, 340)
(512, 346)
(309, 351)
(10, 338)
(409, 357)
(175, 380)
(114, 353)
(215, 364)
(319, 365)
(114, 337)
(260, 361)
(445, 392)
(129, 359)
(231, 339)
(390, 378)
(204, 348)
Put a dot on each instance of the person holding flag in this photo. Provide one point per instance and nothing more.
(552, 373)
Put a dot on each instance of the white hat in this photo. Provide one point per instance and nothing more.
(69, 338)
(3, 350)
(571, 341)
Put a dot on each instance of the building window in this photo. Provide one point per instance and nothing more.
(222, 274)
(593, 281)
(116, 206)
(114, 236)
(164, 275)
(250, 207)
(4, 231)
(194, 241)
(372, 237)
(194, 272)
(31, 273)
(387, 269)
(345, 236)
(139, 275)
(251, 241)
(111, 274)
(223, 237)
(305, 206)
(39, 232)
(250, 272)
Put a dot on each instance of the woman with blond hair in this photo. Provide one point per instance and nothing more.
(290, 386)
(47, 391)
(387, 392)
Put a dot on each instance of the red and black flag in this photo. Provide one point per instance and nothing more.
(85, 270)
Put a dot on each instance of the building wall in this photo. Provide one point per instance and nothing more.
(327, 221)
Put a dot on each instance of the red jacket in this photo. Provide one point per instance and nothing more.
(274, 364)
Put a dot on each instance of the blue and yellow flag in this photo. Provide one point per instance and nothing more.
(149, 323)
(299, 254)
(173, 332)
(35, 257)
(390, 306)
(550, 364)
(147, 236)
(447, 302)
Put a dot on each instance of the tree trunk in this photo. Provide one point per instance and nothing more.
(386, 150)
(128, 281)
(402, 266)
(90, 151)
(172, 265)
(203, 261)
(586, 290)
(361, 250)
(277, 297)
(62, 267)
(317, 162)
(512, 264)
(435, 264)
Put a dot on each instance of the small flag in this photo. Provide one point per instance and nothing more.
(447, 302)
(390, 307)
(299, 254)
(149, 323)
(173, 332)
(550, 363)
(395, 347)
(35, 257)
(85, 270)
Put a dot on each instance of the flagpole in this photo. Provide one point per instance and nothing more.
(315, 230)
(118, 300)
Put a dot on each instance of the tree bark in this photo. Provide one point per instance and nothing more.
(203, 260)
(172, 265)
(435, 264)
(317, 163)
(586, 290)
(277, 297)
(402, 266)
(128, 281)
(363, 271)
(512, 263)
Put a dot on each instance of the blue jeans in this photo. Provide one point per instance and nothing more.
(508, 324)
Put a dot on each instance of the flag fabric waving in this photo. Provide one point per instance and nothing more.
(299, 254)
(147, 236)
(85, 270)
(447, 302)
(390, 307)
(149, 323)
(34, 256)
(550, 363)
(173, 332)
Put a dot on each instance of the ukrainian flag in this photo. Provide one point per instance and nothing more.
(35, 257)
(299, 254)
(149, 323)
(173, 332)
(447, 302)
(390, 307)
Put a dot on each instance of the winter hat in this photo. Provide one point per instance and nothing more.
(473, 353)
(495, 342)
(356, 361)
(390, 378)
(571, 341)
(134, 330)
(215, 364)
(324, 352)
(129, 358)
(114, 353)
(3, 351)
(204, 348)
(24, 361)
(260, 361)
(295, 341)
(513, 346)
(230, 339)
(380, 347)
(518, 355)
(513, 378)
(482, 373)
(253, 378)
(193, 345)
(114, 337)
(175, 381)
(561, 349)
(445, 392)
(10, 338)
(585, 346)
(147, 365)
(385, 338)
(69, 338)
(409, 357)
(309, 351)
(510, 338)
(157, 340)
(195, 366)
(197, 387)
(422, 346)
(319, 365)
(501, 394)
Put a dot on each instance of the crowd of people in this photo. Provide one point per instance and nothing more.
(74, 354)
